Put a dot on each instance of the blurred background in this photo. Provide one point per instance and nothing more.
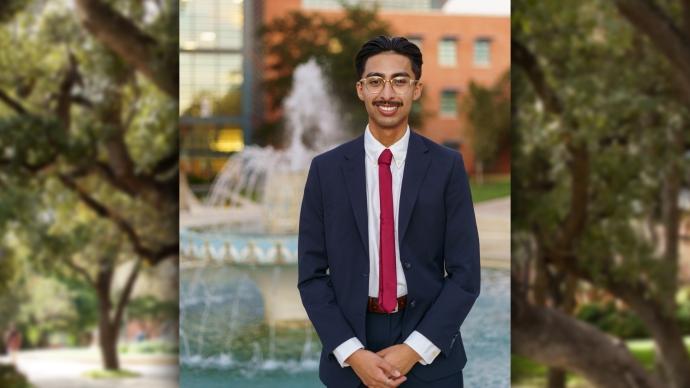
(88, 193)
(264, 87)
(601, 259)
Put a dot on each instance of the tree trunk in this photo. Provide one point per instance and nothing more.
(555, 378)
(670, 348)
(107, 331)
(108, 343)
(552, 338)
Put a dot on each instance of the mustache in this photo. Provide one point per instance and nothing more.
(389, 103)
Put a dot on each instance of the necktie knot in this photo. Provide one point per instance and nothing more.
(386, 157)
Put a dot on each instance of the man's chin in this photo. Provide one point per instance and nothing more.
(393, 123)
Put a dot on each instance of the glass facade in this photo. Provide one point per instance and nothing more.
(482, 52)
(212, 83)
(209, 24)
(210, 57)
(447, 52)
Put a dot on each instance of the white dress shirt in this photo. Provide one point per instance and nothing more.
(372, 149)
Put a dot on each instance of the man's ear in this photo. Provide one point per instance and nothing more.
(360, 90)
(417, 90)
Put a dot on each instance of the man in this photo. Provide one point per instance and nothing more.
(388, 247)
(13, 342)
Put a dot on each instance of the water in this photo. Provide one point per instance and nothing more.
(234, 349)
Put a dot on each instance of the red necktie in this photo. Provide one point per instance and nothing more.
(388, 286)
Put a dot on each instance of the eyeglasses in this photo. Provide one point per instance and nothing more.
(375, 84)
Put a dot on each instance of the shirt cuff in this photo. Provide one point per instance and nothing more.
(345, 350)
(425, 348)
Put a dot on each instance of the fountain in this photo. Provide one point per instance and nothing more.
(239, 304)
(256, 199)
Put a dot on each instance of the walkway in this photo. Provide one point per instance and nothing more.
(64, 368)
(493, 223)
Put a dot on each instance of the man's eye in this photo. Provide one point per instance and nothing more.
(400, 81)
(374, 82)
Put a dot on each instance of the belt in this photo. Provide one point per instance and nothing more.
(373, 305)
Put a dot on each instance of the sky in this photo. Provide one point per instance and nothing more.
(475, 7)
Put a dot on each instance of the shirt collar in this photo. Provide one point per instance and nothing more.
(373, 147)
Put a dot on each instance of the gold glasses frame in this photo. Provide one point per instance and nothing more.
(395, 82)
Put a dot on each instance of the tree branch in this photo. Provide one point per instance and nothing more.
(127, 292)
(134, 46)
(686, 17)
(12, 103)
(154, 256)
(523, 58)
(552, 338)
(646, 16)
(81, 271)
(64, 97)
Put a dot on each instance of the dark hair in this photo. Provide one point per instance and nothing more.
(397, 44)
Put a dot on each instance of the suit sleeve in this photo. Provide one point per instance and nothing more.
(314, 283)
(442, 321)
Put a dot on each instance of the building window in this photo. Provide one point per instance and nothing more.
(447, 52)
(210, 84)
(482, 52)
(211, 24)
(211, 72)
(449, 103)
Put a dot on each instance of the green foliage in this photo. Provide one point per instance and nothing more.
(111, 374)
(150, 347)
(617, 101)
(10, 377)
(333, 41)
(150, 308)
(8, 8)
(54, 243)
(624, 112)
(488, 111)
(619, 322)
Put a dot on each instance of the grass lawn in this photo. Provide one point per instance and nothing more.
(526, 373)
(495, 186)
(110, 374)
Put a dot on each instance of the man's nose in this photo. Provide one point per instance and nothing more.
(387, 91)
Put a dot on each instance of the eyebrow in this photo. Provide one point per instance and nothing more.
(398, 74)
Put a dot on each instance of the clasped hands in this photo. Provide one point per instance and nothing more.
(385, 368)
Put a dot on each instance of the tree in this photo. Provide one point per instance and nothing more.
(598, 166)
(488, 111)
(89, 116)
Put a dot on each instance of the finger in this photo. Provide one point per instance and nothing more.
(397, 381)
(381, 379)
(389, 369)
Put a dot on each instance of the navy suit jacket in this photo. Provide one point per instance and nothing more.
(439, 251)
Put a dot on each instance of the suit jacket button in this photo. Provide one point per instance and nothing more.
(407, 265)
(413, 303)
(365, 275)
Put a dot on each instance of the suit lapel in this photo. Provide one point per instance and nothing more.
(416, 165)
(355, 179)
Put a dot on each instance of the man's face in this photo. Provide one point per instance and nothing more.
(388, 109)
